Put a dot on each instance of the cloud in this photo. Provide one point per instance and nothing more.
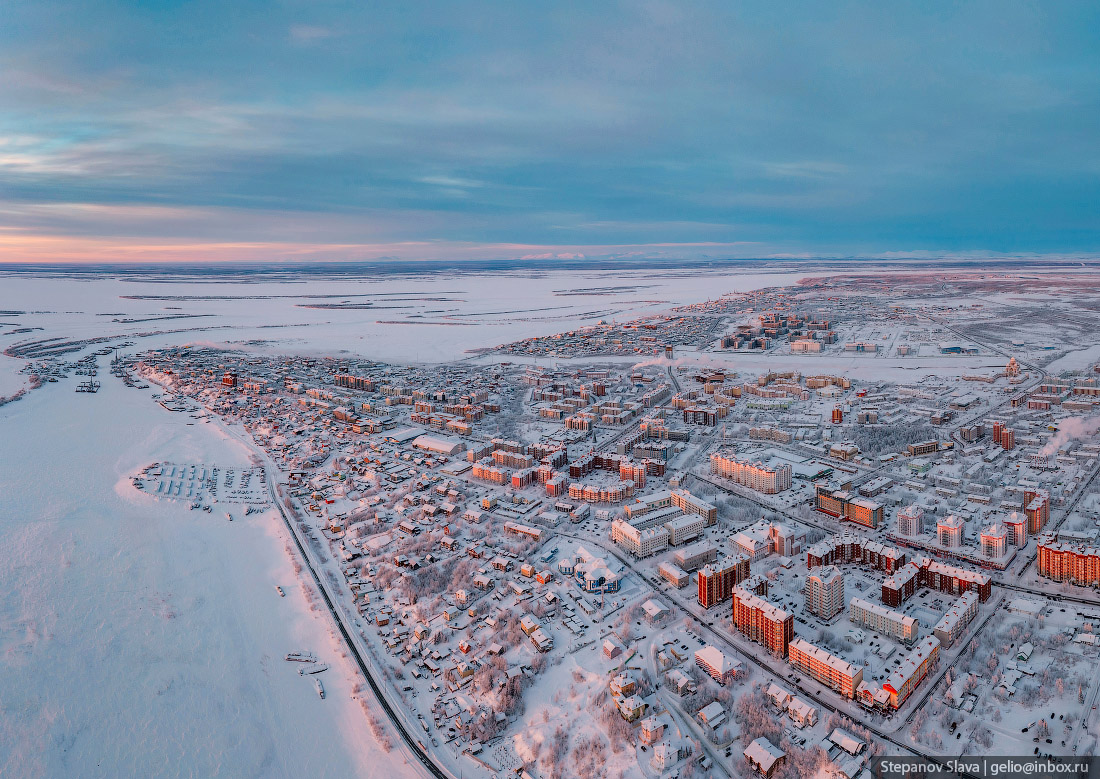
(575, 129)
(452, 181)
(805, 169)
(306, 33)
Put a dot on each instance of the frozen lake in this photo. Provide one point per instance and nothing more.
(415, 318)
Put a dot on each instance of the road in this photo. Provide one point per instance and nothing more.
(685, 723)
(413, 744)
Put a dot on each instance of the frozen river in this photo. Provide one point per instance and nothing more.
(140, 638)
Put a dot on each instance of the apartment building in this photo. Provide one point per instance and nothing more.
(825, 592)
(844, 506)
(769, 479)
(911, 521)
(761, 621)
(832, 671)
(1069, 557)
(717, 580)
(912, 670)
(949, 531)
(883, 620)
(850, 548)
(899, 587)
(956, 618)
(994, 540)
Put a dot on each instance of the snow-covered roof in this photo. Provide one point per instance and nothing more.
(764, 753)
(713, 658)
(846, 741)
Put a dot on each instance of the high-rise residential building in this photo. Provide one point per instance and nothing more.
(825, 592)
(763, 622)
(911, 521)
(1016, 524)
(949, 530)
(717, 580)
(994, 540)
(1036, 509)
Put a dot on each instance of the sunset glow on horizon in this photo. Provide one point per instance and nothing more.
(168, 132)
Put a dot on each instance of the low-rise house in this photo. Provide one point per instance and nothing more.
(622, 685)
(764, 757)
(680, 682)
(801, 713)
(632, 708)
(713, 715)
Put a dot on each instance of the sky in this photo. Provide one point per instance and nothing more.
(299, 131)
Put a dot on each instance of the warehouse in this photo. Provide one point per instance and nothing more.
(439, 444)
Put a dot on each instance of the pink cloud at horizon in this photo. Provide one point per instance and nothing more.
(21, 247)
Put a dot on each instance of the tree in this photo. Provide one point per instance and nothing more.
(753, 713)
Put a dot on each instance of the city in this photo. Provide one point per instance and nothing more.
(719, 552)
(549, 391)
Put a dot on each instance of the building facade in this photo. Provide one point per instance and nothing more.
(882, 620)
(768, 479)
(956, 618)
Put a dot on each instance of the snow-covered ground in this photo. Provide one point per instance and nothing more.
(418, 318)
(11, 381)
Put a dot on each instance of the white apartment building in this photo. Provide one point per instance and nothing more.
(758, 476)
(994, 540)
(911, 521)
(956, 618)
(882, 620)
(950, 532)
(640, 542)
(825, 592)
